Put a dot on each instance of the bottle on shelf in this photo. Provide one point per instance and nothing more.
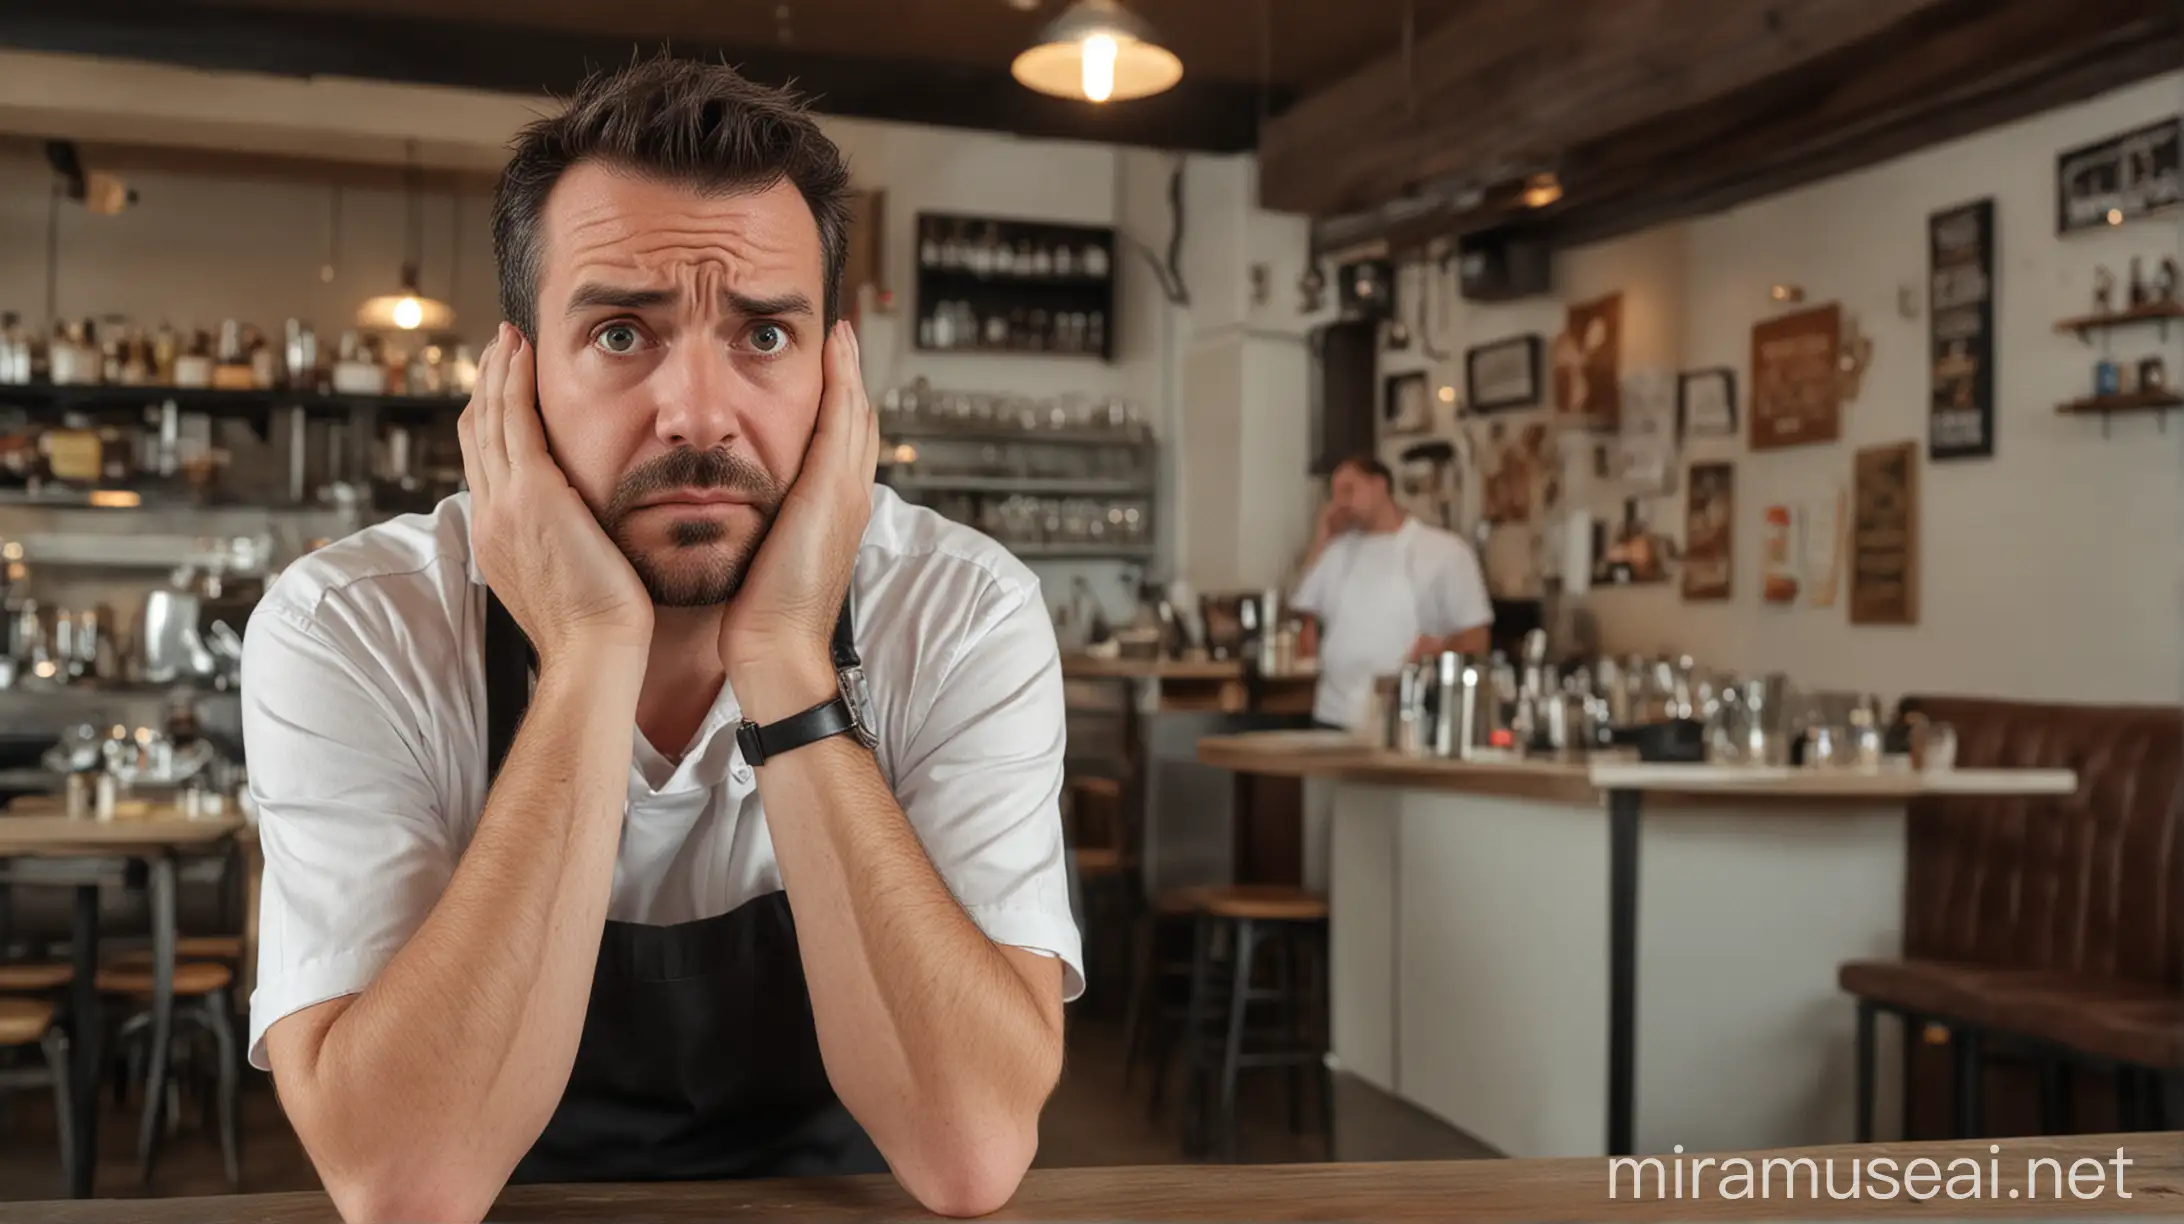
(1095, 260)
(1042, 262)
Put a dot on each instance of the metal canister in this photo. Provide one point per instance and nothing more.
(1411, 720)
(1452, 711)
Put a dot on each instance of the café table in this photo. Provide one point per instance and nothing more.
(1474, 1191)
(157, 836)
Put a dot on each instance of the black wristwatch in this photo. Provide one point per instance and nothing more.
(849, 710)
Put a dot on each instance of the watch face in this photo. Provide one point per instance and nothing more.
(859, 697)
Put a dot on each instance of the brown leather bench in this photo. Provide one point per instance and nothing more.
(2052, 926)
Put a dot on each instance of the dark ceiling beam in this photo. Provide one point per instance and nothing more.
(1951, 72)
(1196, 116)
(2016, 59)
(1499, 90)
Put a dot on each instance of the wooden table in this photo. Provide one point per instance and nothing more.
(157, 837)
(1542, 821)
(1475, 1191)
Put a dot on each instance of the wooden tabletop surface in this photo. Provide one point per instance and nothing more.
(1334, 754)
(1474, 1191)
(164, 828)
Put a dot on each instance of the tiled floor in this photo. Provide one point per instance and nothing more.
(1094, 1119)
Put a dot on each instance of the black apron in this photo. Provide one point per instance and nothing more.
(699, 1058)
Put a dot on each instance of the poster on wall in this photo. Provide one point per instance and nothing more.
(1824, 546)
(1646, 450)
(2120, 179)
(1502, 375)
(1406, 407)
(1797, 379)
(1884, 536)
(1708, 547)
(1780, 559)
(1960, 423)
(1429, 483)
(1588, 365)
(1706, 403)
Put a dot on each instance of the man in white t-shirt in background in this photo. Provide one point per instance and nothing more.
(1386, 588)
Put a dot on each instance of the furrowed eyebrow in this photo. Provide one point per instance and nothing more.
(761, 307)
(593, 296)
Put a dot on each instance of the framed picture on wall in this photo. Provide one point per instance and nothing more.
(1706, 403)
(1407, 405)
(1503, 374)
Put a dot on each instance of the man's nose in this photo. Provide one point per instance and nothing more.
(696, 387)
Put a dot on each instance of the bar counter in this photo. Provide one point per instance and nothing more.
(1601, 957)
(1476, 1191)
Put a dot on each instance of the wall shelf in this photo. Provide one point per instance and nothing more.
(1027, 288)
(1076, 436)
(1061, 551)
(2106, 406)
(74, 397)
(1030, 486)
(2159, 313)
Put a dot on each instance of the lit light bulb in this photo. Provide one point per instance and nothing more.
(1099, 67)
(408, 313)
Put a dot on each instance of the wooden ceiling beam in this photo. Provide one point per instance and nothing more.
(1496, 90)
(2020, 57)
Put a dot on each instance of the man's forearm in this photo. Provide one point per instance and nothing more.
(448, 1065)
(934, 1041)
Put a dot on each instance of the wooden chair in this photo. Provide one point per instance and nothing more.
(203, 1008)
(25, 1023)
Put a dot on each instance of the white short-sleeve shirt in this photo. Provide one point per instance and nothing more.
(1375, 594)
(364, 724)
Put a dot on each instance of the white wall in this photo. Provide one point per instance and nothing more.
(2051, 570)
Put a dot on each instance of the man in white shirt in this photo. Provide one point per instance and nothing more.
(592, 851)
(1386, 588)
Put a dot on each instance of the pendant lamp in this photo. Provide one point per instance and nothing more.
(408, 309)
(1098, 51)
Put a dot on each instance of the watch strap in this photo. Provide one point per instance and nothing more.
(825, 720)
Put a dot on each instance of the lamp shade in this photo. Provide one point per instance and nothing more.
(407, 310)
(1098, 51)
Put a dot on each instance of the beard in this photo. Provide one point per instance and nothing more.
(702, 564)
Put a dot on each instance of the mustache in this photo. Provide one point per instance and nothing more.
(690, 468)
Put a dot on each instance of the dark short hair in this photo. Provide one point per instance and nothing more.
(686, 122)
(1371, 465)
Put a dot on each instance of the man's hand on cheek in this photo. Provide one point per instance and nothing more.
(536, 542)
(775, 635)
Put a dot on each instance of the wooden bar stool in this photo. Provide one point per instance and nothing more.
(201, 994)
(34, 979)
(25, 1023)
(1160, 988)
(225, 949)
(1247, 920)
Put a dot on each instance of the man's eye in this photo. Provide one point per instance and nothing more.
(769, 338)
(620, 338)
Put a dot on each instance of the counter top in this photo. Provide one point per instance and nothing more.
(1335, 754)
(1479, 1191)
